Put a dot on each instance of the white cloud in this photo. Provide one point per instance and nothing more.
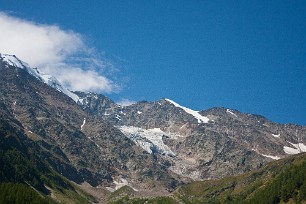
(125, 102)
(61, 53)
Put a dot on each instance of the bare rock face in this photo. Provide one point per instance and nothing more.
(95, 103)
(205, 144)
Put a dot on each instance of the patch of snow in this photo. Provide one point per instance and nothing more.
(265, 155)
(139, 112)
(289, 150)
(98, 145)
(274, 135)
(230, 112)
(121, 183)
(196, 114)
(302, 147)
(150, 139)
(122, 113)
(81, 101)
(272, 157)
(295, 145)
(110, 189)
(183, 125)
(298, 148)
(84, 121)
(30, 131)
(118, 117)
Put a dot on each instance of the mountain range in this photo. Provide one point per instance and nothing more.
(73, 146)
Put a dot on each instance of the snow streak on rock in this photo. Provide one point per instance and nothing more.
(272, 157)
(274, 135)
(230, 112)
(196, 114)
(84, 121)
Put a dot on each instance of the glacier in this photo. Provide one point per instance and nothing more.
(151, 140)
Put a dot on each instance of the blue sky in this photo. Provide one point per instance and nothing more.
(244, 55)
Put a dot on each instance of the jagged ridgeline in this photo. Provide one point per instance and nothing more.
(73, 147)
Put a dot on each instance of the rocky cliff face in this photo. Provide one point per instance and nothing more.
(204, 144)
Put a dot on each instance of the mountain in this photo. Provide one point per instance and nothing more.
(206, 144)
(76, 145)
(86, 143)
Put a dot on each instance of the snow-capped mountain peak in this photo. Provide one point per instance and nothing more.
(54, 83)
(12, 60)
(16, 62)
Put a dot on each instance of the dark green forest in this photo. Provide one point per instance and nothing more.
(290, 184)
(11, 193)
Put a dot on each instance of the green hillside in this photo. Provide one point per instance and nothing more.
(279, 182)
